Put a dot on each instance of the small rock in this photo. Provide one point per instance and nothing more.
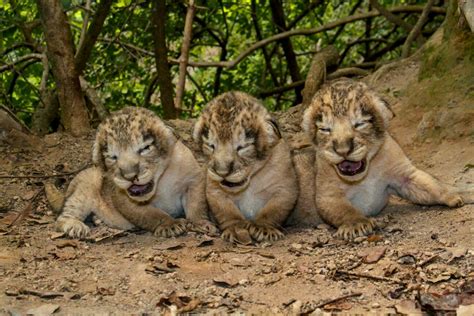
(375, 305)
(407, 259)
(46, 309)
(358, 240)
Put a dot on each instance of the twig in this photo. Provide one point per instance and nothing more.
(390, 16)
(27, 210)
(415, 32)
(368, 276)
(44, 76)
(85, 24)
(19, 60)
(33, 176)
(183, 59)
(333, 300)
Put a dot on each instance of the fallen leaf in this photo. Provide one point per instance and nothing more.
(38, 221)
(67, 253)
(374, 238)
(183, 302)
(56, 235)
(374, 254)
(170, 245)
(46, 309)
(227, 280)
(407, 307)
(161, 268)
(28, 195)
(343, 305)
(457, 253)
(66, 243)
(105, 290)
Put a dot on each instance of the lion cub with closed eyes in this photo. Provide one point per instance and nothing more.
(251, 181)
(359, 165)
(143, 176)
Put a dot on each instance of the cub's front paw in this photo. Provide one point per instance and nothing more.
(73, 227)
(237, 233)
(265, 232)
(171, 228)
(359, 227)
(454, 200)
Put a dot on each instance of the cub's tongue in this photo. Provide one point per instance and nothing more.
(139, 190)
(350, 168)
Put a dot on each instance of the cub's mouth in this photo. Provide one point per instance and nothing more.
(140, 189)
(351, 168)
(233, 184)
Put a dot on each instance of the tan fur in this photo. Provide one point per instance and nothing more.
(133, 148)
(251, 182)
(347, 121)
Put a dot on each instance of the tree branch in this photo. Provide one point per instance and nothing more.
(415, 32)
(85, 24)
(391, 17)
(19, 60)
(84, 50)
(183, 59)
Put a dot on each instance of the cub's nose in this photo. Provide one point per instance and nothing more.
(129, 173)
(344, 147)
(223, 169)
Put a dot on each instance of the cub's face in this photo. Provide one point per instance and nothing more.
(132, 148)
(236, 133)
(347, 123)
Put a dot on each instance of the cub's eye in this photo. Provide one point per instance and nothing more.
(326, 130)
(240, 147)
(360, 125)
(211, 147)
(145, 149)
(110, 160)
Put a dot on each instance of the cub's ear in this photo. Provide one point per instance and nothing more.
(274, 129)
(200, 130)
(309, 120)
(383, 107)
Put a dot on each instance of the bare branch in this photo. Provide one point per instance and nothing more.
(183, 59)
(19, 60)
(44, 76)
(85, 24)
(415, 32)
(391, 17)
(84, 50)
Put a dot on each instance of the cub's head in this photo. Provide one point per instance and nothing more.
(347, 122)
(237, 134)
(132, 147)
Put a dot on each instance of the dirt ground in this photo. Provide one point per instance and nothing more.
(419, 256)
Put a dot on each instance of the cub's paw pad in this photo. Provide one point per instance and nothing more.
(73, 228)
(357, 228)
(265, 233)
(172, 228)
(237, 234)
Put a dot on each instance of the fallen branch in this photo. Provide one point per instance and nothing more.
(333, 300)
(184, 57)
(415, 32)
(37, 176)
(27, 210)
(368, 276)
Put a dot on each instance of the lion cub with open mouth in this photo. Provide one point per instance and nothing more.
(143, 176)
(251, 183)
(359, 165)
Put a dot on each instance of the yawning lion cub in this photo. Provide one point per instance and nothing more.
(359, 165)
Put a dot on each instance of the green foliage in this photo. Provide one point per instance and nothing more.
(121, 65)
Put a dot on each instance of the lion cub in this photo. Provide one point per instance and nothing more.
(142, 177)
(251, 183)
(359, 165)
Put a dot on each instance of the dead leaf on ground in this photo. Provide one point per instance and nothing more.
(407, 307)
(9, 218)
(56, 235)
(372, 255)
(170, 244)
(66, 243)
(374, 238)
(67, 253)
(227, 281)
(161, 268)
(38, 221)
(105, 290)
(46, 309)
(457, 253)
(342, 305)
(104, 233)
(183, 302)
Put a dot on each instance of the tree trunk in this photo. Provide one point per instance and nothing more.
(279, 19)
(60, 46)
(158, 21)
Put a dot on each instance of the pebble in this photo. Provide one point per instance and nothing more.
(375, 305)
